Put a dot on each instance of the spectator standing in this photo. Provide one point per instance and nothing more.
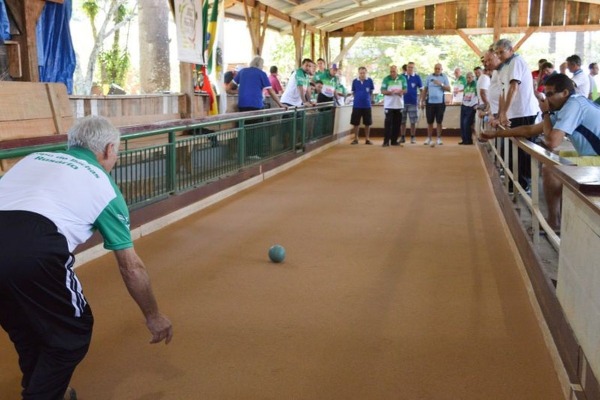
(492, 65)
(274, 80)
(275, 84)
(518, 105)
(563, 68)
(582, 81)
(593, 68)
(458, 87)
(296, 91)
(362, 89)
(538, 76)
(467, 109)
(250, 84)
(50, 203)
(483, 86)
(393, 88)
(330, 82)
(411, 103)
(432, 99)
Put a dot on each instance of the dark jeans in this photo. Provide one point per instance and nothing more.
(524, 158)
(393, 117)
(467, 117)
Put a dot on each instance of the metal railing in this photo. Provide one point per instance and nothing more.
(163, 159)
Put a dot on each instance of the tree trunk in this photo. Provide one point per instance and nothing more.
(155, 71)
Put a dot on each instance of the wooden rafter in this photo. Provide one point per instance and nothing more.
(347, 48)
(467, 39)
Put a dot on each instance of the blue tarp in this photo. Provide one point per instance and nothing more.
(4, 24)
(56, 57)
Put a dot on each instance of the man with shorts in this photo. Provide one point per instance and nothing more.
(50, 202)
(362, 89)
(411, 99)
(432, 99)
(565, 113)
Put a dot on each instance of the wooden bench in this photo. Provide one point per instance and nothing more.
(30, 110)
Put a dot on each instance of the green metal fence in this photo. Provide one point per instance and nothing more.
(158, 162)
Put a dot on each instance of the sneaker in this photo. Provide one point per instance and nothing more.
(367, 142)
(413, 140)
(439, 142)
(403, 139)
(354, 141)
(385, 145)
(428, 142)
(395, 144)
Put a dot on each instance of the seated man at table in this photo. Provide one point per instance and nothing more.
(564, 113)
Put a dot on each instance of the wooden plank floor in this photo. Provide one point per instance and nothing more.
(399, 283)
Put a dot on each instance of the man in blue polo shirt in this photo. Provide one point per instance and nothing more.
(432, 99)
(362, 89)
(565, 113)
(411, 103)
(249, 84)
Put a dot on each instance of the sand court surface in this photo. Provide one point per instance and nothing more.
(399, 283)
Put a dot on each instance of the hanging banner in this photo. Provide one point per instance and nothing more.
(188, 19)
(219, 62)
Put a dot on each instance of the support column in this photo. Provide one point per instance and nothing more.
(298, 32)
(256, 27)
(26, 14)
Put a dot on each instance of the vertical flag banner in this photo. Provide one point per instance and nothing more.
(188, 19)
(212, 34)
(205, 86)
(219, 62)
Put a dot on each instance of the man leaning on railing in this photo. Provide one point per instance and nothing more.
(564, 113)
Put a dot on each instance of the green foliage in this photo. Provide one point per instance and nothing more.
(114, 64)
(90, 8)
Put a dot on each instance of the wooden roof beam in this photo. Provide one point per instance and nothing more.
(347, 48)
(467, 39)
(469, 31)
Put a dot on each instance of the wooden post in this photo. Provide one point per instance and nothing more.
(26, 14)
(256, 27)
(298, 35)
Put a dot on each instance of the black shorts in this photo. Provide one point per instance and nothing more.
(364, 113)
(435, 112)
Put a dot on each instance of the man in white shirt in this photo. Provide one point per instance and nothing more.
(581, 79)
(483, 85)
(518, 105)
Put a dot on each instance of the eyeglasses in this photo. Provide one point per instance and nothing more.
(549, 93)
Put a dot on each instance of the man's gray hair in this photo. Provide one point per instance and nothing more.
(257, 62)
(504, 43)
(93, 133)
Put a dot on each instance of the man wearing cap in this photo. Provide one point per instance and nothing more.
(330, 82)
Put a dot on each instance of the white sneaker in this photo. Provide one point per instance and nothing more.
(413, 140)
(439, 142)
(428, 142)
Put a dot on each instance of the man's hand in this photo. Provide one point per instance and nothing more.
(160, 327)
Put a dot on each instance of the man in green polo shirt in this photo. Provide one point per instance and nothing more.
(393, 88)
